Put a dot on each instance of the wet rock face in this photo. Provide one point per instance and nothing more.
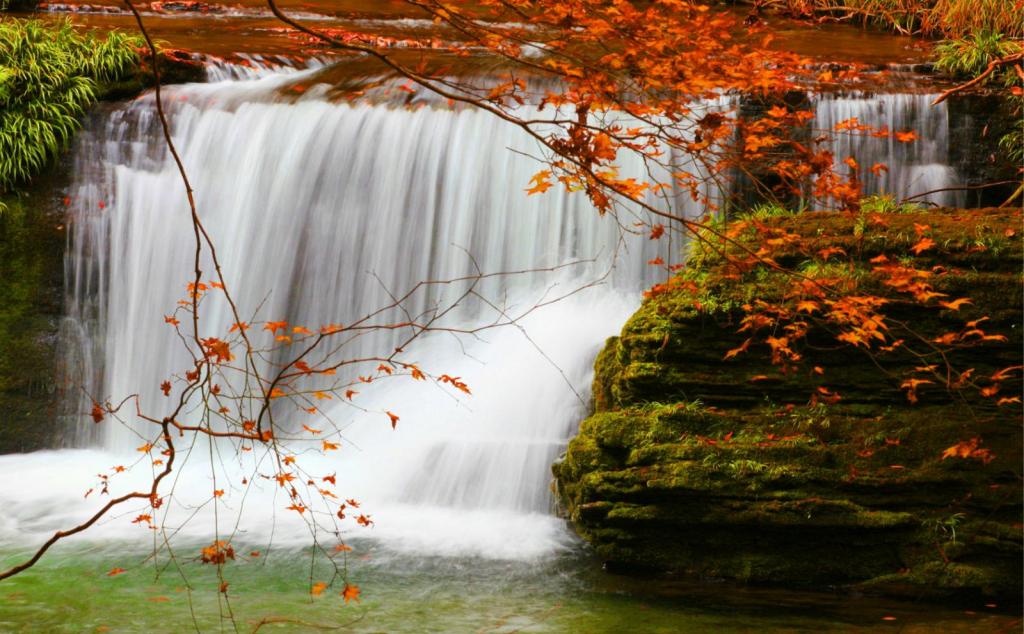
(695, 465)
(976, 123)
(31, 249)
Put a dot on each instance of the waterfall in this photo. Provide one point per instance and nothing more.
(320, 212)
(912, 168)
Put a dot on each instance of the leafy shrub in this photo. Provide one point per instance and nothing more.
(970, 55)
(49, 75)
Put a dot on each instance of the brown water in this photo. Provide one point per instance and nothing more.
(247, 26)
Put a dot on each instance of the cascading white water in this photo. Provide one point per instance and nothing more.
(913, 168)
(320, 211)
(308, 201)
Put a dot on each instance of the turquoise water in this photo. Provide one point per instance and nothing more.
(70, 591)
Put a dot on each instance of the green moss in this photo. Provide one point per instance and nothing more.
(940, 580)
(31, 244)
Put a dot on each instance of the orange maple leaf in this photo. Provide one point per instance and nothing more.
(1006, 372)
(736, 351)
(219, 350)
(991, 390)
(274, 326)
(350, 593)
(956, 303)
(969, 449)
(540, 183)
(454, 382)
(906, 136)
(923, 245)
(283, 478)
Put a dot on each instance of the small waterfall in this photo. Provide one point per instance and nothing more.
(250, 66)
(320, 212)
(912, 168)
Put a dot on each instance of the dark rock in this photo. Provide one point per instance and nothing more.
(32, 240)
(176, 67)
(186, 7)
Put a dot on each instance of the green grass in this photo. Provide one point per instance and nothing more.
(49, 75)
(970, 55)
(948, 18)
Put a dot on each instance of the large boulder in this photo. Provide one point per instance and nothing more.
(696, 465)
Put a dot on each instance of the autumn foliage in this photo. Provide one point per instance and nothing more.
(631, 104)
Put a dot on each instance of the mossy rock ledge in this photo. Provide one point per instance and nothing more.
(176, 67)
(689, 467)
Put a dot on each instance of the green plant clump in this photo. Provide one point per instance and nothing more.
(969, 56)
(49, 75)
